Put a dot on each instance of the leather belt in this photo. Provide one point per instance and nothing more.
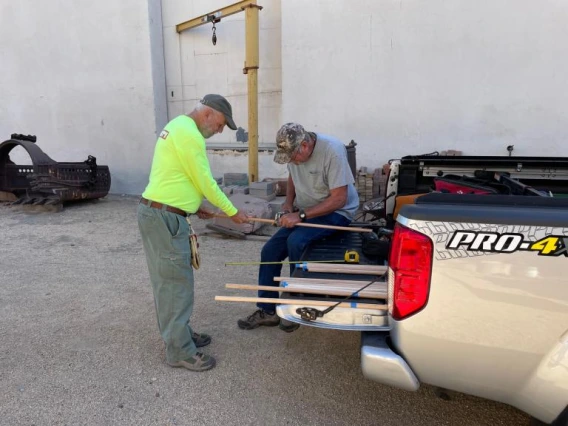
(160, 206)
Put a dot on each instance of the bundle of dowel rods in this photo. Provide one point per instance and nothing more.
(371, 292)
(324, 287)
(319, 286)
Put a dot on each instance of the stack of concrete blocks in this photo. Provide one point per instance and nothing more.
(259, 199)
(263, 190)
(364, 185)
(234, 183)
(380, 177)
(235, 189)
(256, 200)
(266, 190)
(239, 179)
(252, 206)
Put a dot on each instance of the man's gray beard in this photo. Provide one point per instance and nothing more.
(207, 134)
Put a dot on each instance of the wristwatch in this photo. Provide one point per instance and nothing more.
(303, 216)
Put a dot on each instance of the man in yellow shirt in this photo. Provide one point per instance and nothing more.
(179, 180)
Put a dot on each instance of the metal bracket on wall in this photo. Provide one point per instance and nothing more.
(246, 69)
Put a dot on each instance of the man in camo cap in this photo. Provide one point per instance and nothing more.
(321, 191)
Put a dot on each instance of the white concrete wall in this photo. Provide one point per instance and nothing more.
(194, 67)
(78, 74)
(398, 77)
(411, 77)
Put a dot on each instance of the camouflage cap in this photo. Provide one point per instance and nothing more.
(288, 140)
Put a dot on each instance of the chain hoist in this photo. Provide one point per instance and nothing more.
(214, 37)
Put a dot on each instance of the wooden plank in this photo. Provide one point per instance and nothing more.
(370, 294)
(378, 269)
(302, 302)
(326, 287)
(354, 283)
(344, 269)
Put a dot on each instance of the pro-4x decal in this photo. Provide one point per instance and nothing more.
(493, 242)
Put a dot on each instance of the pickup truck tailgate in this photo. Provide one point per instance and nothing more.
(496, 317)
(340, 318)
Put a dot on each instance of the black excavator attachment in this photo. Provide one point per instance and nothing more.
(46, 181)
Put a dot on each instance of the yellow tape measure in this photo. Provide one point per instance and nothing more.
(351, 256)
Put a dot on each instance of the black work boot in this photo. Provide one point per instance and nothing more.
(201, 339)
(257, 319)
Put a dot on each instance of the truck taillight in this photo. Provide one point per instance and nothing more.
(410, 267)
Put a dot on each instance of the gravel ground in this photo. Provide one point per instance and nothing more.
(79, 343)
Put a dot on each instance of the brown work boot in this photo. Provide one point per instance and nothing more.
(198, 362)
(201, 339)
(257, 319)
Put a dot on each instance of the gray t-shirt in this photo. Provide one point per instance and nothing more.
(326, 169)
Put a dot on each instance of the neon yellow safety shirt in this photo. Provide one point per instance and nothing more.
(181, 175)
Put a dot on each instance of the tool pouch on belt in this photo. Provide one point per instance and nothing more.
(195, 259)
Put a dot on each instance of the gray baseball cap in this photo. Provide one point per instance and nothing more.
(219, 103)
(288, 140)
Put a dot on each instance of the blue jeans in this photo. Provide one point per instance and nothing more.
(165, 237)
(291, 243)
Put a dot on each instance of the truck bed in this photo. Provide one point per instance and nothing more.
(333, 248)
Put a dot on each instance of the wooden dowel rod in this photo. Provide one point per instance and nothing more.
(358, 283)
(347, 269)
(251, 219)
(337, 228)
(329, 286)
(306, 225)
(350, 272)
(333, 287)
(340, 271)
(353, 305)
(379, 269)
(343, 290)
(331, 292)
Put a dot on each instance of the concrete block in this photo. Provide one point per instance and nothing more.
(276, 205)
(264, 188)
(227, 190)
(262, 195)
(240, 189)
(240, 179)
(252, 206)
(280, 185)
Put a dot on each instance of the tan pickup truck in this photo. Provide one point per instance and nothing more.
(477, 282)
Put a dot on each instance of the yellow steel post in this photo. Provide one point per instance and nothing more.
(251, 70)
